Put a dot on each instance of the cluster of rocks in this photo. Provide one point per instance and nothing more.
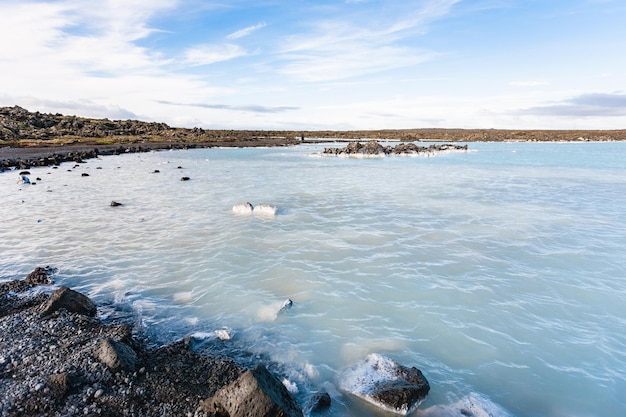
(57, 359)
(373, 148)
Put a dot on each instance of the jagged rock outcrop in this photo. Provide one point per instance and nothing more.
(256, 393)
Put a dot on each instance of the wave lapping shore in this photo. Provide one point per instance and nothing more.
(57, 359)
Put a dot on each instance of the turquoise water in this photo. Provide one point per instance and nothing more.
(499, 272)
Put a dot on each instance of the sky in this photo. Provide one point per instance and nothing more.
(320, 65)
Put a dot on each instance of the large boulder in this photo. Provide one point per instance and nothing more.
(385, 383)
(256, 393)
(69, 300)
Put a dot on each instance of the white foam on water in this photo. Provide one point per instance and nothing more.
(472, 405)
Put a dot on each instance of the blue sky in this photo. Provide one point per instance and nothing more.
(311, 65)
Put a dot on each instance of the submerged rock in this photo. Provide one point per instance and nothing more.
(385, 383)
(319, 402)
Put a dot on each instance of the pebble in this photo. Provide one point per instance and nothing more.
(39, 386)
(98, 393)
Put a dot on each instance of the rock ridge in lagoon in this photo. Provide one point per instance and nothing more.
(375, 149)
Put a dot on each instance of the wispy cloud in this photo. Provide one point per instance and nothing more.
(246, 31)
(584, 105)
(210, 54)
(339, 48)
(254, 108)
(528, 83)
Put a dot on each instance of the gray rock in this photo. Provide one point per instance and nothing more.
(385, 383)
(116, 355)
(255, 394)
(70, 300)
(39, 276)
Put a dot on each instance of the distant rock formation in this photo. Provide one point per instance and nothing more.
(374, 148)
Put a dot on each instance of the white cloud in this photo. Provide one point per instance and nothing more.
(340, 48)
(246, 31)
(528, 83)
(210, 54)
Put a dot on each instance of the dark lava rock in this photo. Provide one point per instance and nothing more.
(70, 300)
(185, 179)
(63, 383)
(256, 393)
(115, 204)
(319, 402)
(387, 384)
(84, 174)
(116, 355)
(40, 276)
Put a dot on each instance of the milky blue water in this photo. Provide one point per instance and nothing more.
(499, 272)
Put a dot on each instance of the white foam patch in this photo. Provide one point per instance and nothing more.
(291, 386)
(185, 297)
(243, 209)
(265, 210)
(311, 371)
(224, 333)
(473, 405)
(270, 312)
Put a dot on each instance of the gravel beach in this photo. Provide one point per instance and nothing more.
(57, 358)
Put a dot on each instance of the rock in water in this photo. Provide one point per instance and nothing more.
(319, 402)
(287, 304)
(256, 393)
(243, 208)
(115, 204)
(70, 300)
(39, 276)
(265, 210)
(385, 383)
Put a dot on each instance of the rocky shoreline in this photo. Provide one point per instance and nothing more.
(58, 359)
